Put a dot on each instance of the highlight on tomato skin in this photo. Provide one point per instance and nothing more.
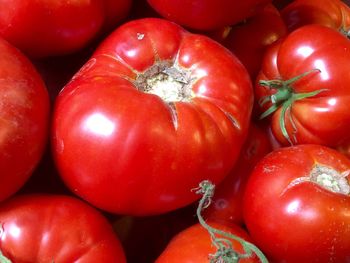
(296, 205)
(302, 90)
(155, 110)
(45, 228)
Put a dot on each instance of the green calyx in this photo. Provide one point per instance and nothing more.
(284, 99)
(4, 259)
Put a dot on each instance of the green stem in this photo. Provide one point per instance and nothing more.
(4, 259)
(225, 252)
(284, 98)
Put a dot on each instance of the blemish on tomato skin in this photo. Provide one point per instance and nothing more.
(59, 146)
(140, 36)
(269, 169)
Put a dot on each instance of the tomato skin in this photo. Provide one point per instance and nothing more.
(310, 48)
(344, 149)
(24, 115)
(193, 244)
(207, 14)
(280, 4)
(292, 220)
(45, 228)
(331, 13)
(227, 203)
(68, 25)
(115, 12)
(248, 40)
(148, 159)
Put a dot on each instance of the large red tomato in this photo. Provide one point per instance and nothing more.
(227, 205)
(54, 228)
(194, 244)
(207, 14)
(297, 205)
(44, 28)
(249, 39)
(304, 84)
(24, 119)
(155, 111)
(331, 13)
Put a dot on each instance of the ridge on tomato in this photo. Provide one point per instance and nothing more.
(56, 228)
(154, 111)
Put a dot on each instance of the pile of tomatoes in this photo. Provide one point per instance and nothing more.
(175, 131)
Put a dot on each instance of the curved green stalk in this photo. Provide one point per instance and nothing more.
(225, 252)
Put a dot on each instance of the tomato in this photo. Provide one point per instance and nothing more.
(194, 244)
(56, 228)
(155, 111)
(331, 13)
(207, 14)
(297, 204)
(48, 28)
(249, 39)
(227, 205)
(24, 119)
(304, 86)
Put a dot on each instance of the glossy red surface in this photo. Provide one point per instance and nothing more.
(194, 245)
(130, 150)
(289, 215)
(207, 14)
(50, 28)
(24, 119)
(322, 118)
(54, 228)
